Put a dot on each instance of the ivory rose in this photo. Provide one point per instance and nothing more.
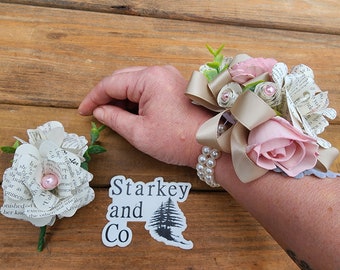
(27, 195)
(251, 68)
(54, 131)
(276, 143)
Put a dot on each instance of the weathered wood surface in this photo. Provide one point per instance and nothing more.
(53, 52)
(224, 236)
(314, 16)
(46, 56)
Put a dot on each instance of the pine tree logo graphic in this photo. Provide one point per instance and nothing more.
(167, 224)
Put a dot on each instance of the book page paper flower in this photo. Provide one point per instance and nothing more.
(47, 180)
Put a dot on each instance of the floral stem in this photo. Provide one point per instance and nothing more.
(41, 241)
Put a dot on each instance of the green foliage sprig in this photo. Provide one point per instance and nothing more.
(10, 149)
(94, 147)
(216, 64)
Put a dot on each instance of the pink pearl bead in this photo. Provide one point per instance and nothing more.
(269, 90)
(225, 96)
(49, 181)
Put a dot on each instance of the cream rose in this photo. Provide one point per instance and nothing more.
(44, 183)
(54, 131)
(276, 143)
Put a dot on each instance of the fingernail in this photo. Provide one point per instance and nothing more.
(98, 113)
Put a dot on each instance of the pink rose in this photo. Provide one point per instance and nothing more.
(251, 68)
(276, 143)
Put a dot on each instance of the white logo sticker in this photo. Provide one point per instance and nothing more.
(154, 203)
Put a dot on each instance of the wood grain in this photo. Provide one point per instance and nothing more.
(224, 237)
(312, 16)
(45, 56)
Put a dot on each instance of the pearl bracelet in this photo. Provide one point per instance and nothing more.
(206, 164)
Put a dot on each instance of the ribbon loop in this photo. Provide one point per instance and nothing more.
(221, 80)
(245, 169)
(198, 92)
(245, 107)
(207, 134)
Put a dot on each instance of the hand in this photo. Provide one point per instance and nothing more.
(167, 121)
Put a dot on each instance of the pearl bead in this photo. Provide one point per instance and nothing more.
(215, 154)
(210, 163)
(199, 167)
(221, 128)
(200, 174)
(269, 90)
(49, 181)
(205, 150)
(209, 178)
(209, 171)
(202, 159)
(225, 96)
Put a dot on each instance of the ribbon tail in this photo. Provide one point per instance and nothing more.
(245, 168)
(326, 158)
(207, 134)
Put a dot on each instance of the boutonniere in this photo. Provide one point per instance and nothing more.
(49, 176)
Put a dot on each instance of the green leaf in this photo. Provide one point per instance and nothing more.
(95, 132)
(252, 86)
(16, 144)
(219, 59)
(211, 50)
(94, 135)
(219, 50)
(87, 156)
(96, 149)
(214, 65)
(101, 128)
(85, 165)
(210, 74)
(8, 149)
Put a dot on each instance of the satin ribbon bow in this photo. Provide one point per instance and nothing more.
(234, 139)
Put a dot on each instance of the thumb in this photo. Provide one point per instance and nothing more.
(118, 119)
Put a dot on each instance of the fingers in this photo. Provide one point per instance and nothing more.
(122, 84)
(118, 119)
(129, 69)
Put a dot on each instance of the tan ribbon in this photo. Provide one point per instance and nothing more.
(234, 140)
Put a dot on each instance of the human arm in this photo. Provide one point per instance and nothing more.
(302, 215)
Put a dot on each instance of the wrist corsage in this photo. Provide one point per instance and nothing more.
(49, 175)
(267, 117)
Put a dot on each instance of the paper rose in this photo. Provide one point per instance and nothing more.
(45, 183)
(276, 143)
(54, 131)
(48, 178)
(269, 92)
(307, 105)
(251, 68)
(228, 95)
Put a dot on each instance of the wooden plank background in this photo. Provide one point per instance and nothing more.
(53, 52)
